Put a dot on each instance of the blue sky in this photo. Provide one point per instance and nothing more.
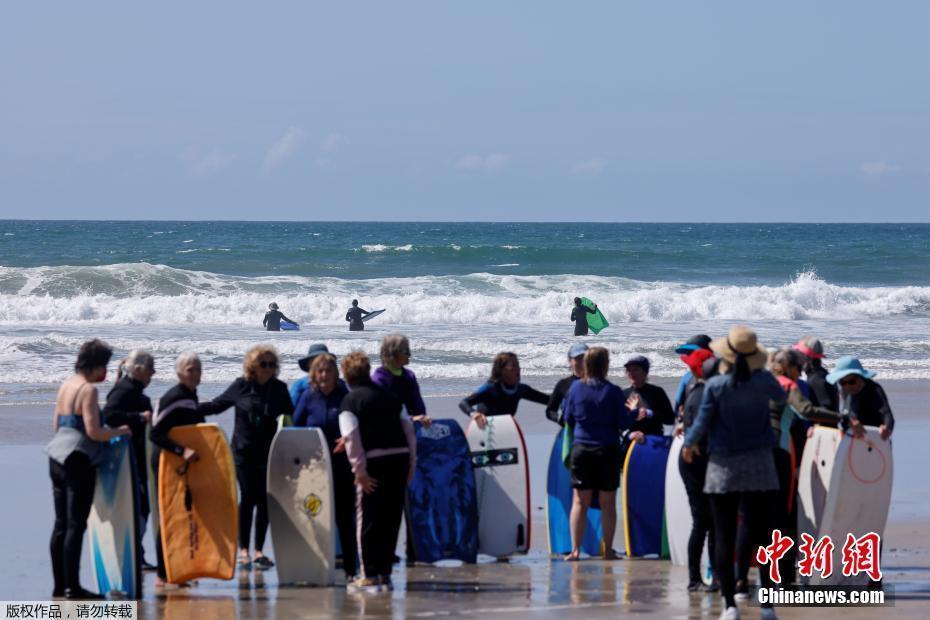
(646, 111)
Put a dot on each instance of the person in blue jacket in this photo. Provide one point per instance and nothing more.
(502, 392)
(319, 407)
(300, 385)
(735, 416)
(597, 411)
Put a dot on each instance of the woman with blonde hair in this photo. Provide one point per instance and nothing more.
(127, 404)
(596, 411)
(319, 406)
(259, 397)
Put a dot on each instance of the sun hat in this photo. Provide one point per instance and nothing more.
(741, 341)
(312, 352)
(701, 341)
(577, 350)
(848, 365)
(638, 360)
(810, 346)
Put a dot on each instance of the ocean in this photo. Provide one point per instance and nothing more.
(460, 291)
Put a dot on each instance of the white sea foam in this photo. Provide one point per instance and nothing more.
(456, 323)
(141, 294)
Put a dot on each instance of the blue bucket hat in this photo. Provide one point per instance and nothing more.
(578, 349)
(848, 365)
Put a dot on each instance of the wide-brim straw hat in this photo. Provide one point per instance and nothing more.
(741, 340)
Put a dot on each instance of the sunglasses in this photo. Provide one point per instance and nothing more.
(848, 382)
(264, 364)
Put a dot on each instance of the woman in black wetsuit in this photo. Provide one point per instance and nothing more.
(259, 397)
(127, 404)
(178, 407)
(502, 392)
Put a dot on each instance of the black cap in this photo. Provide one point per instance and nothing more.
(638, 360)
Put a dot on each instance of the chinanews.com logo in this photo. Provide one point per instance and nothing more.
(857, 582)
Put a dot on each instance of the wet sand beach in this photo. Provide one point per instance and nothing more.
(531, 584)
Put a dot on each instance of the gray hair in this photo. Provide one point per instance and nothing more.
(780, 359)
(392, 345)
(137, 360)
(184, 359)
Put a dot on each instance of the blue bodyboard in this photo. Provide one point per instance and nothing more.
(559, 490)
(289, 327)
(442, 500)
(644, 495)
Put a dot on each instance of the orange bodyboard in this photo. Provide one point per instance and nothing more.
(198, 515)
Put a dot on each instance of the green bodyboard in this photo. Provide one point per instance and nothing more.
(596, 321)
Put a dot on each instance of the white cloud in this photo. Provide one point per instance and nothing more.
(876, 168)
(202, 165)
(494, 161)
(284, 148)
(595, 165)
(332, 142)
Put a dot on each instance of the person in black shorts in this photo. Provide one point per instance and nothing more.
(597, 411)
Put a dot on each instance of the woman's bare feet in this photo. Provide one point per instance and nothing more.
(574, 556)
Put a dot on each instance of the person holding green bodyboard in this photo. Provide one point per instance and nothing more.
(584, 307)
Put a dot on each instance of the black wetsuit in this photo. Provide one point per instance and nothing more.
(125, 404)
(693, 474)
(272, 320)
(559, 392)
(257, 411)
(870, 406)
(354, 317)
(823, 394)
(495, 399)
(657, 400)
(580, 316)
(178, 407)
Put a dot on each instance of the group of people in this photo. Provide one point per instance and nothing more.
(741, 412)
(274, 318)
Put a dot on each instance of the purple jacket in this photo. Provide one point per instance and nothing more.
(404, 387)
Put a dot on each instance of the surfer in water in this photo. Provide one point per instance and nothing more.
(502, 392)
(580, 317)
(354, 317)
(273, 318)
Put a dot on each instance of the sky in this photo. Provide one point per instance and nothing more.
(523, 110)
